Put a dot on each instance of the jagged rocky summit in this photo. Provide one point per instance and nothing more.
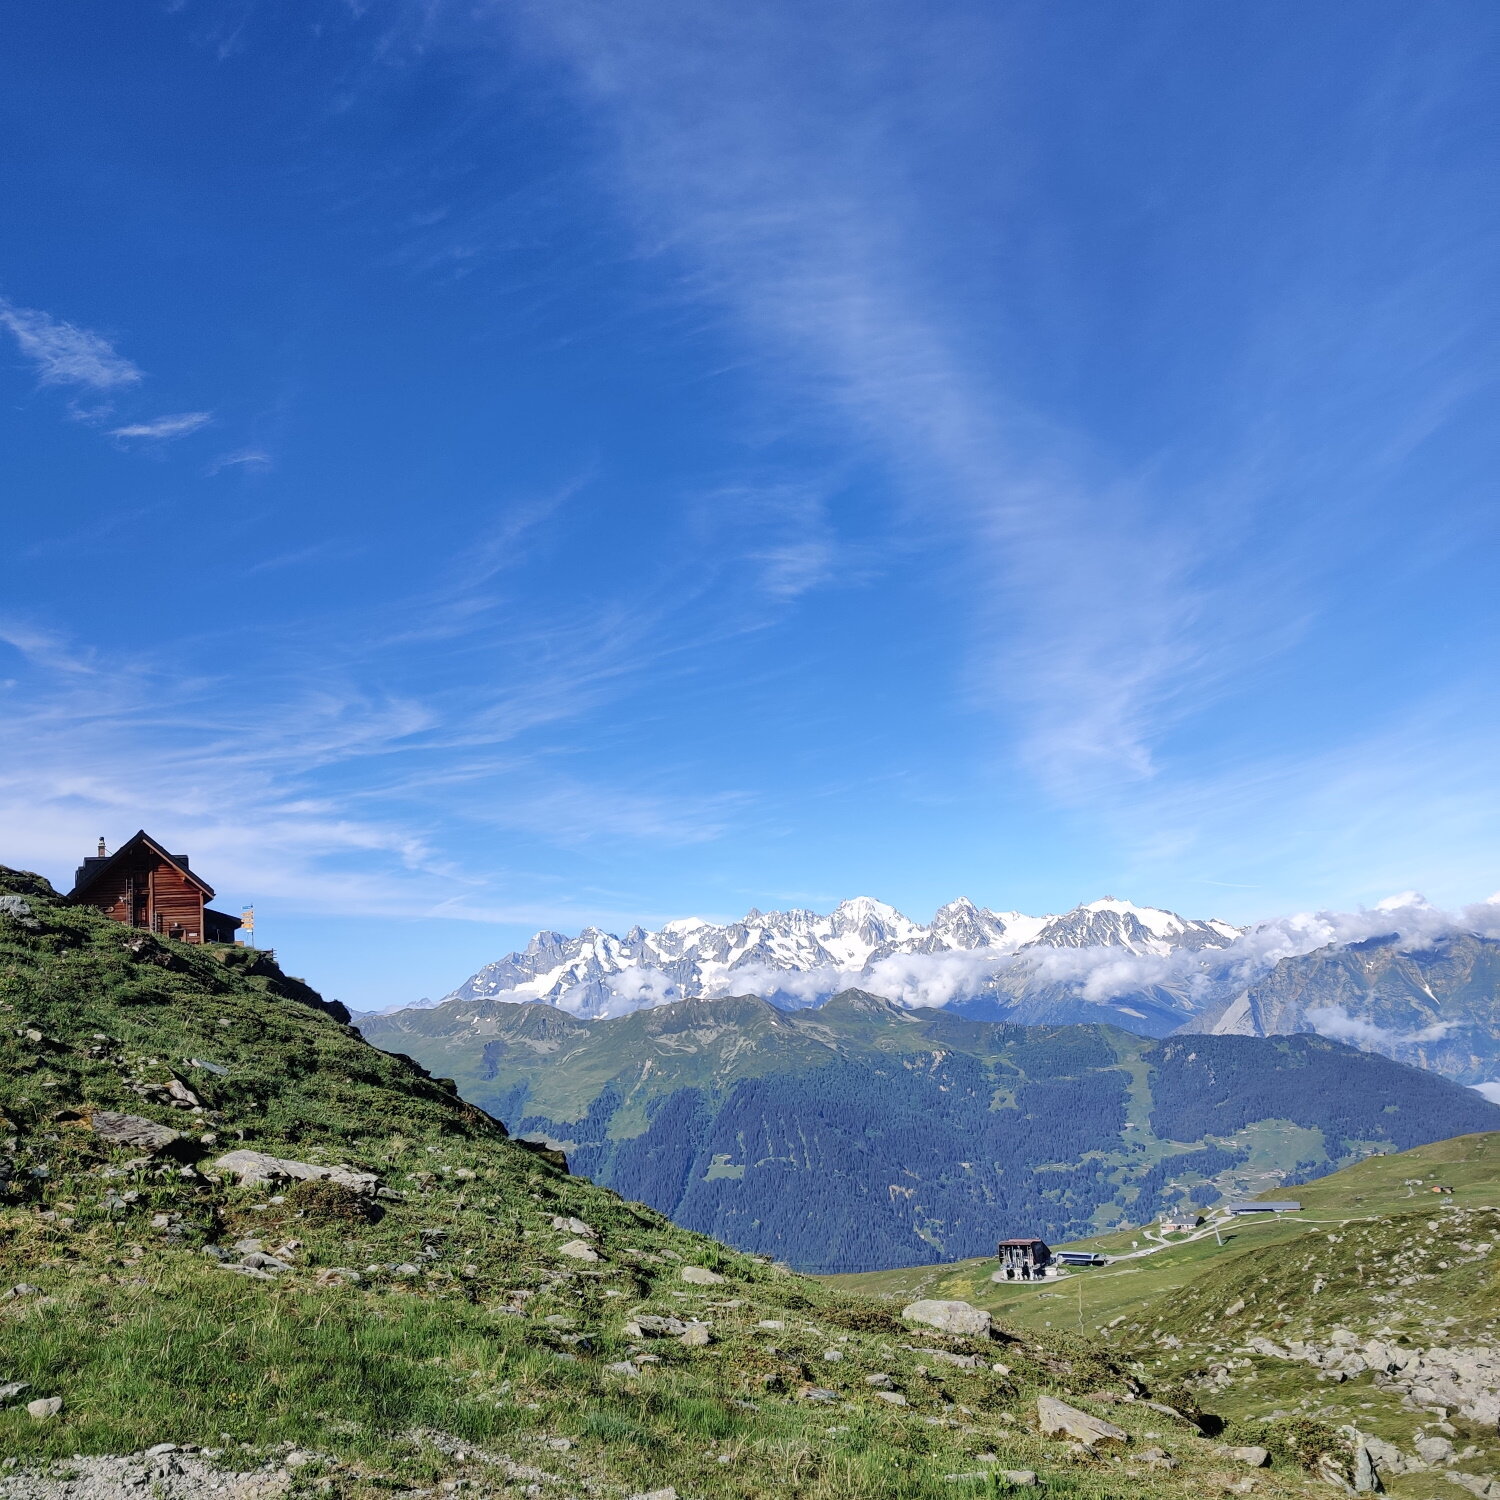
(801, 957)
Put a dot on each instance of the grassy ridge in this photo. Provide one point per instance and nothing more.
(469, 1327)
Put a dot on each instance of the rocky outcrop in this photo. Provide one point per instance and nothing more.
(1057, 1419)
(950, 1317)
(1463, 1381)
(134, 1131)
(257, 1169)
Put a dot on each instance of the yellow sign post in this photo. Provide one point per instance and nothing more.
(247, 922)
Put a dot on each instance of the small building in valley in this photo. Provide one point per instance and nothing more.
(1024, 1259)
(1080, 1258)
(142, 885)
(1180, 1222)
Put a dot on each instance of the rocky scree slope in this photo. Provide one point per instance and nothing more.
(246, 1253)
(863, 1135)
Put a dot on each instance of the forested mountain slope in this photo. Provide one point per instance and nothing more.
(863, 1134)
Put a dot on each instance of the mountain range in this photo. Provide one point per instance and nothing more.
(800, 957)
(864, 1134)
(1435, 1004)
(1402, 979)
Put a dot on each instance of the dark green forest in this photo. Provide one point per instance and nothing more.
(899, 1160)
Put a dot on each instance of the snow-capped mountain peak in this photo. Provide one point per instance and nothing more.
(1112, 923)
(800, 957)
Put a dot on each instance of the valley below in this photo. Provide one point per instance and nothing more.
(863, 1135)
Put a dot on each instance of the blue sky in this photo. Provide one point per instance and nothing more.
(469, 468)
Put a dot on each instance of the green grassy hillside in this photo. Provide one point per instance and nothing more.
(861, 1135)
(1094, 1298)
(1375, 1310)
(481, 1317)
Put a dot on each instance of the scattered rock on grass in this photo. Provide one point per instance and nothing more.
(47, 1406)
(131, 1130)
(1058, 1419)
(951, 1317)
(652, 1325)
(258, 1169)
(1253, 1454)
(700, 1275)
(579, 1250)
(1156, 1458)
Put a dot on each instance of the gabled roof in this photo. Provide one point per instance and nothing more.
(94, 868)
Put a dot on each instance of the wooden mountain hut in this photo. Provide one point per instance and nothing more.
(142, 885)
(1024, 1260)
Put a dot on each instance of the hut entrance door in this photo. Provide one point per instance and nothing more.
(140, 902)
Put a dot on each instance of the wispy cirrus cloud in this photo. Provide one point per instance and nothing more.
(240, 458)
(64, 354)
(163, 429)
(737, 155)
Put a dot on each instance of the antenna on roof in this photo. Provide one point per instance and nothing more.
(101, 848)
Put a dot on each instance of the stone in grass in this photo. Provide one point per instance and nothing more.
(258, 1169)
(652, 1325)
(578, 1250)
(10, 1389)
(894, 1397)
(48, 1406)
(1253, 1455)
(1058, 1419)
(573, 1226)
(667, 1494)
(131, 1130)
(700, 1275)
(1434, 1450)
(249, 1272)
(696, 1336)
(1156, 1458)
(951, 1317)
(1023, 1479)
(1476, 1484)
(337, 1276)
(1366, 1480)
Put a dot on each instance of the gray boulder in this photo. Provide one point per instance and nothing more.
(134, 1131)
(1252, 1454)
(1058, 1419)
(258, 1169)
(949, 1316)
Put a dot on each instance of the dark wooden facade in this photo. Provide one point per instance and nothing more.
(143, 885)
(1024, 1260)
